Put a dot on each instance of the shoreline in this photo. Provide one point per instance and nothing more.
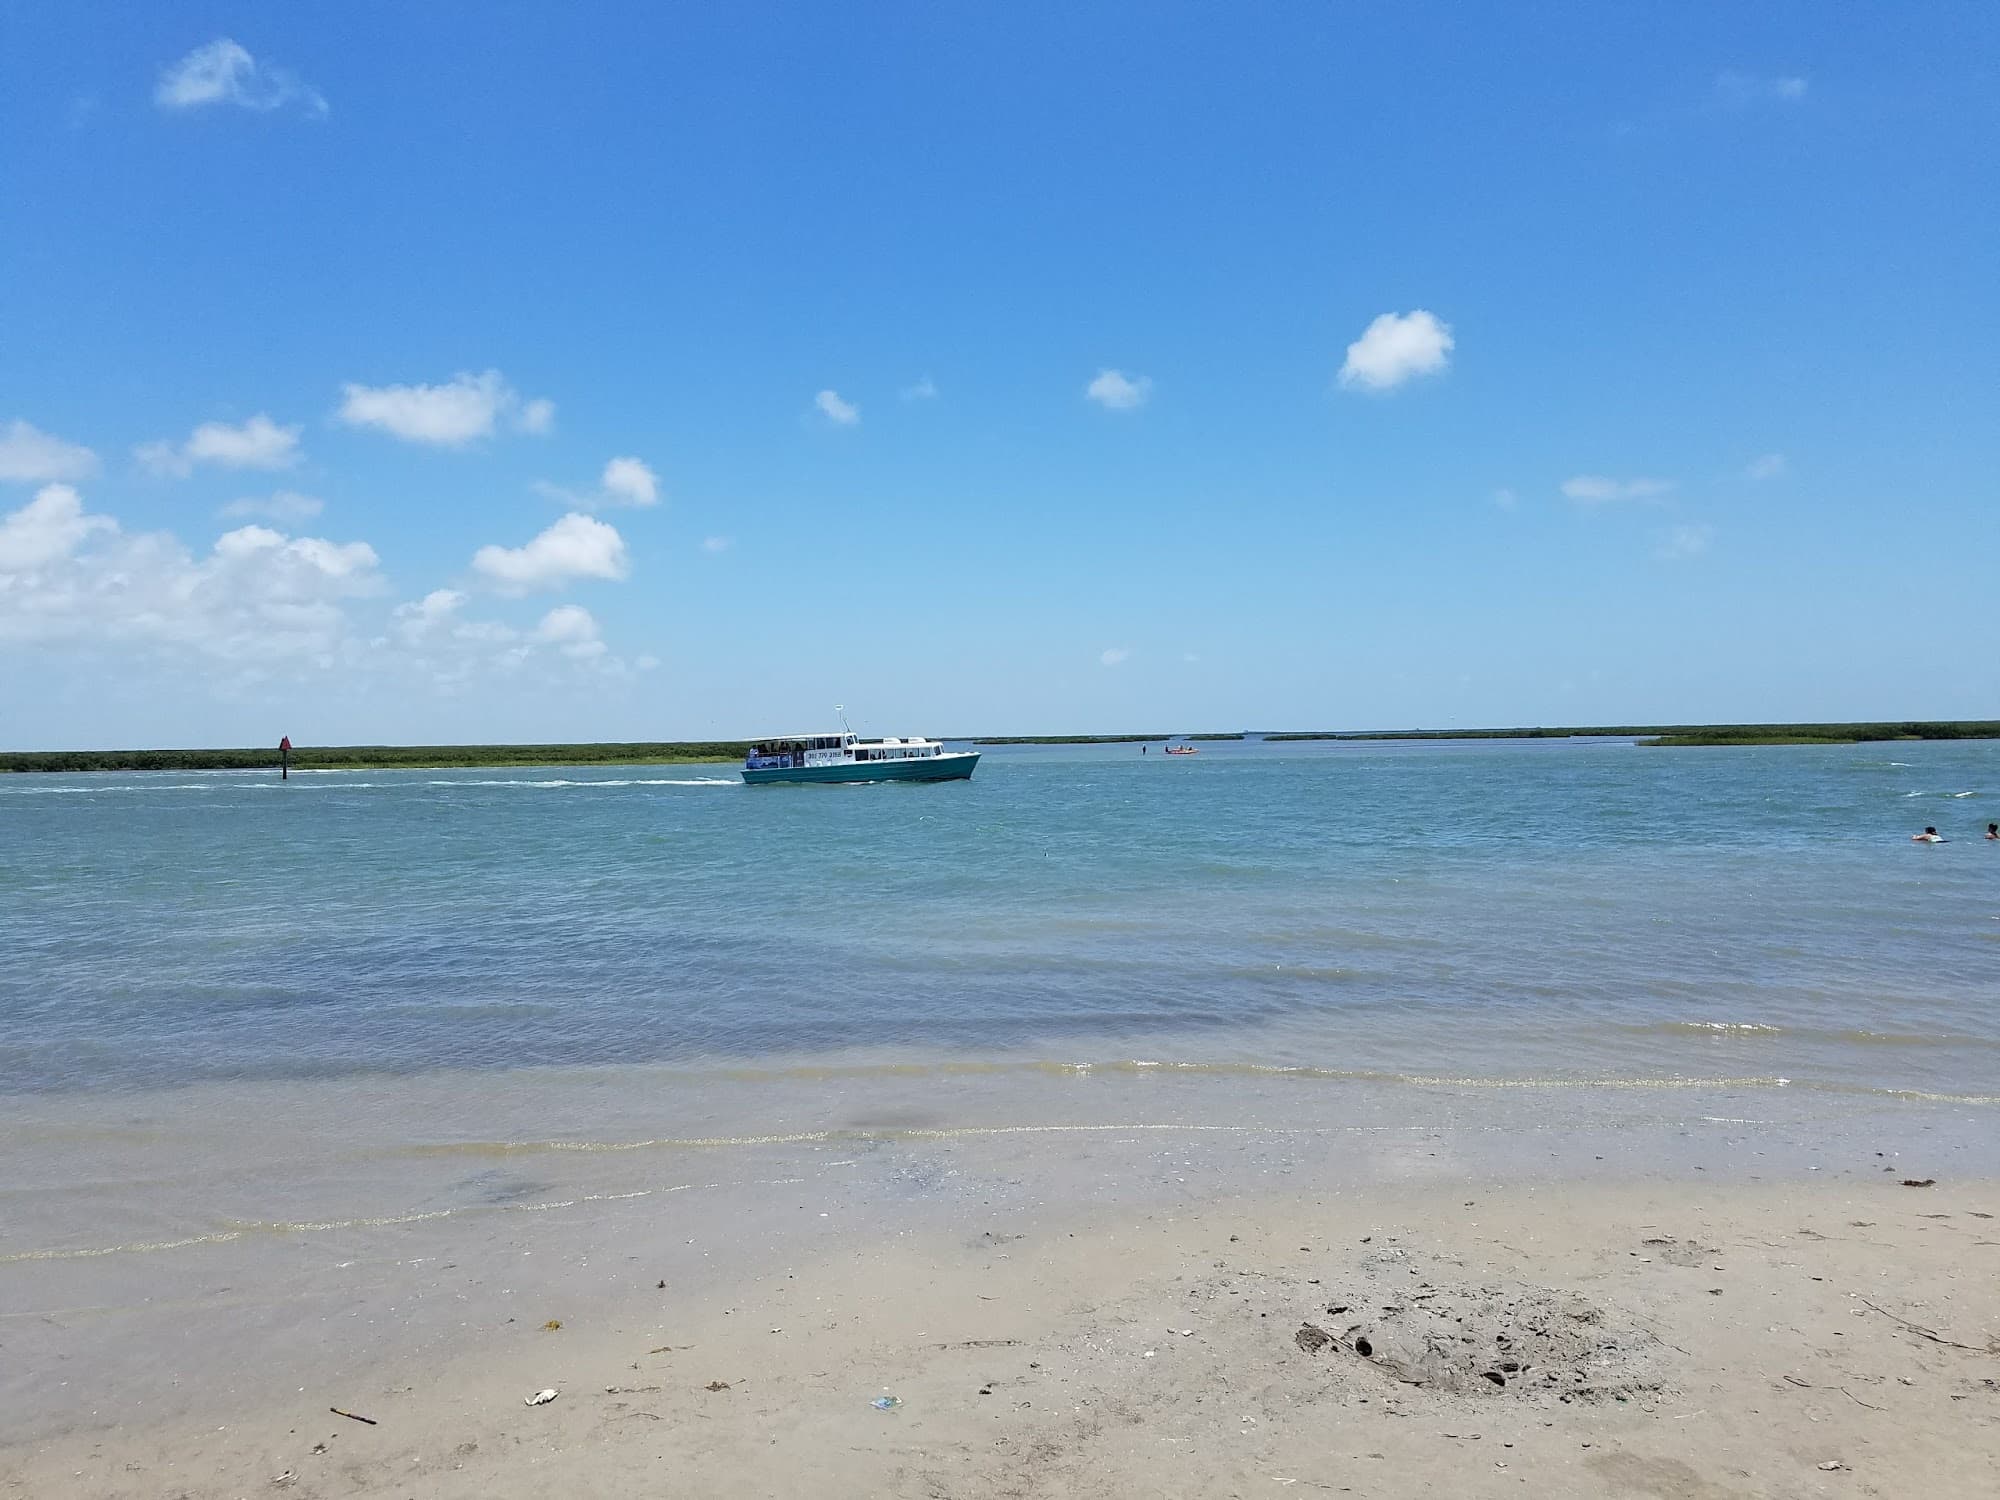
(1708, 1340)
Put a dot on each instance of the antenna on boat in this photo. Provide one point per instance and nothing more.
(841, 712)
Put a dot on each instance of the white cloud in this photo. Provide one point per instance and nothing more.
(285, 505)
(225, 73)
(1397, 347)
(451, 415)
(419, 621)
(259, 599)
(625, 481)
(629, 482)
(31, 456)
(570, 628)
(576, 546)
(1114, 390)
(1113, 656)
(716, 543)
(840, 413)
(1682, 542)
(47, 528)
(923, 390)
(1505, 498)
(1766, 466)
(1596, 488)
(259, 443)
(1743, 90)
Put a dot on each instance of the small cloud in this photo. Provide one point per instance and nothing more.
(1397, 347)
(577, 546)
(418, 621)
(627, 481)
(225, 73)
(645, 663)
(1505, 498)
(1594, 489)
(30, 456)
(840, 413)
(258, 443)
(923, 390)
(45, 530)
(1746, 90)
(1114, 390)
(571, 628)
(1113, 656)
(1766, 466)
(1190, 656)
(450, 415)
(713, 544)
(285, 505)
(1682, 542)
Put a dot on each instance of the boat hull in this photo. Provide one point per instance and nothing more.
(954, 767)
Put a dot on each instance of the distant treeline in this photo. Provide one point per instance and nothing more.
(683, 752)
(1696, 734)
(1093, 739)
(370, 757)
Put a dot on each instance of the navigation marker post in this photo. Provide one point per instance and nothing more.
(285, 758)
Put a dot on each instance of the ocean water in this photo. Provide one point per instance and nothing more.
(300, 1080)
(1501, 914)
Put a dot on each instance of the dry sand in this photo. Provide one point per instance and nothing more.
(1653, 1339)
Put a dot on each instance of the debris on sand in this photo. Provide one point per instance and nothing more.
(1919, 1182)
(541, 1398)
(717, 1385)
(1512, 1338)
(886, 1403)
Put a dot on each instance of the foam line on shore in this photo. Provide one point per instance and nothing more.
(243, 1231)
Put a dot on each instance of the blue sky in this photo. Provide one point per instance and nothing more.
(1036, 368)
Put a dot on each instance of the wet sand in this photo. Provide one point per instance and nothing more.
(1660, 1337)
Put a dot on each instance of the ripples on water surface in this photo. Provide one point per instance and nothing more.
(1544, 911)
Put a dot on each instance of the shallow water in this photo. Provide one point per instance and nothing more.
(1551, 912)
(282, 1065)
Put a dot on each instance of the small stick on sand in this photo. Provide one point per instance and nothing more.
(1933, 1335)
(353, 1416)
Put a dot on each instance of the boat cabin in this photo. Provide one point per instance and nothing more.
(793, 752)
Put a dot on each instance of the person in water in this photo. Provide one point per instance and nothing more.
(1928, 836)
(1993, 830)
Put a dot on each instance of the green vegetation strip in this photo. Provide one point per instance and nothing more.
(1680, 735)
(709, 752)
(377, 757)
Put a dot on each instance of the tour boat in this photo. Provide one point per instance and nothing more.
(1182, 750)
(848, 757)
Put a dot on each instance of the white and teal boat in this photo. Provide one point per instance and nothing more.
(848, 757)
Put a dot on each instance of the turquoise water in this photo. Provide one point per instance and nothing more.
(1491, 912)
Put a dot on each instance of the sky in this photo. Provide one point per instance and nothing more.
(509, 372)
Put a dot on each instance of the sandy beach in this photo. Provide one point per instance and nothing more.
(1663, 1338)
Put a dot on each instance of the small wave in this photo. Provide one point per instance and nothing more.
(566, 782)
(1961, 794)
(86, 791)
